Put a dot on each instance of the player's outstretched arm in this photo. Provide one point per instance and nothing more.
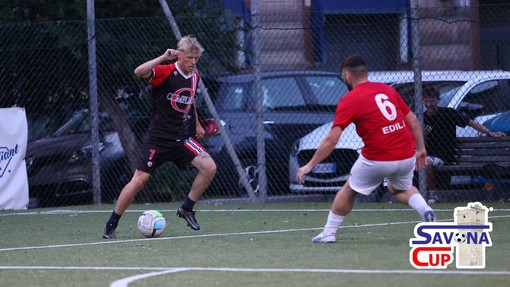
(325, 148)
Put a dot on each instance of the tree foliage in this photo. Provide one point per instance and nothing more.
(58, 10)
(44, 53)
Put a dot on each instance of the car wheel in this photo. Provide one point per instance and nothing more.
(252, 175)
(275, 184)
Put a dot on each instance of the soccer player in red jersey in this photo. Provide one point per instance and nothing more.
(173, 130)
(394, 146)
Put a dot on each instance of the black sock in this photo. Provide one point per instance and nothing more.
(114, 219)
(188, 204)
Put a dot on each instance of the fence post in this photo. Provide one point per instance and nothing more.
(93, 110)
(259, 109)
(418, 97)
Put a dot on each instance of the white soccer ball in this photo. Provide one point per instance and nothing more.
(460, 237)
(151, 223)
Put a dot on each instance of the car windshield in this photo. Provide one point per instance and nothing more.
(283, 94)
(446, 91)
(329, 90)
(79, 123)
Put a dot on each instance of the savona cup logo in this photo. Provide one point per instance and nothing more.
(467, 237)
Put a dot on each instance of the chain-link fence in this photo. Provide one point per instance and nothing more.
(292, 52)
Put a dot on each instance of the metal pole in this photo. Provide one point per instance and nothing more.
(259, 108)
(212, 109)
(418, 88)
(171, 19)
(94, 119)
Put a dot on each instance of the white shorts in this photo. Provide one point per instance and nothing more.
(367, 175)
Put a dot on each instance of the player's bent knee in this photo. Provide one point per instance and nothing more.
(211, 172)
(138, 183)
(209, 169)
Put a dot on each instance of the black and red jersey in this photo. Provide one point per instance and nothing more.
(173, 93)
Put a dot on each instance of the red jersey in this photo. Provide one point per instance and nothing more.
(173, 111)
(379, 113)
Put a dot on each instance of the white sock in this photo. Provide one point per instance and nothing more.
(334, 222)
(418, 203)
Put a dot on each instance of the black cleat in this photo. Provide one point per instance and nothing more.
(189, 216)
(109, 232)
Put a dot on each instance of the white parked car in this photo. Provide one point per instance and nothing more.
(479, 94)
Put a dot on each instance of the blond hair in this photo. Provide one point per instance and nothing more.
(189, 43)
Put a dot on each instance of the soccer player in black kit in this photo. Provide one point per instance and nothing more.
(173, 130)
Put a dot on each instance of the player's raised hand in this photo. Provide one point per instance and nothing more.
(145, 69)
(170, 54)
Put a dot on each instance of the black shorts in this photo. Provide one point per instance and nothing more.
(181, 153)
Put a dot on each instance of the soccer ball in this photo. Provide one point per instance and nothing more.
(460, 237)
(151, 223)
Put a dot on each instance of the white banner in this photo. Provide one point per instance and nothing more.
(13, 171)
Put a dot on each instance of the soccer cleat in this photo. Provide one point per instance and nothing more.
(109, 232)
(189, 216)
(429, 216)
(323, 238)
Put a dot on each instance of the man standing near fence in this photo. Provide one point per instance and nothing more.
(393, 146)
(173, 130)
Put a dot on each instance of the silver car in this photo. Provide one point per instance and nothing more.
(479, 94)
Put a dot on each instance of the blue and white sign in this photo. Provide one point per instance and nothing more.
(13, 171)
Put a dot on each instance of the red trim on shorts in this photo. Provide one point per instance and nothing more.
(193, 146)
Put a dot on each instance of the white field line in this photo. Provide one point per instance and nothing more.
(124, 282)
(176, 269)
(165, 270)
(196, 236)
(70, 211)
(212, 235)
(157, 271)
